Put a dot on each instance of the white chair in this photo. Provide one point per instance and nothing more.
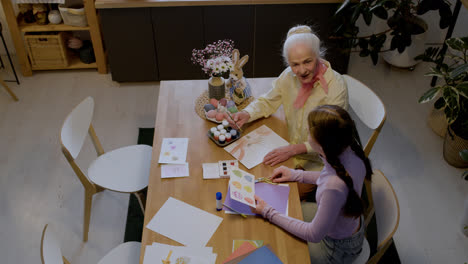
(387, 213)
(126, 253)
(371, 111)
(123, 170)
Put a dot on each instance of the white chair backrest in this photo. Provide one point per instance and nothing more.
(76, 126)
(50, 248)
(365, 103)
(387, 209)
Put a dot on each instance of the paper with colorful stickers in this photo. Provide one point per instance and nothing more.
(173, 150)
(242, 187)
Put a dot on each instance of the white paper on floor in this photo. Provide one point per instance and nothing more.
(184, 223)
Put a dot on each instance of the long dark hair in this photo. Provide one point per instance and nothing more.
(332, 127)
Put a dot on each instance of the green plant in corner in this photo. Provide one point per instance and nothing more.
(453, 90)
(401, 17)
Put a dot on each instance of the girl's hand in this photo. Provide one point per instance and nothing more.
(281, 174)
(260, 205)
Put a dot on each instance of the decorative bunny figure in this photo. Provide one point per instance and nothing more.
(239, 88)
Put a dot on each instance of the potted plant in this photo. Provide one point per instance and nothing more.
(403, 25)
(452, 95)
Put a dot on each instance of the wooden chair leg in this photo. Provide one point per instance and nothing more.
(65, 261)
(88, 199)
(13, 95)
(141, 200)
(379, 254)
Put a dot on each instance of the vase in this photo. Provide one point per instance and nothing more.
(453, 144)
(216, 87)
(438, 122)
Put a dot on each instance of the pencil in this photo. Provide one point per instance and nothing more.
(241, 214)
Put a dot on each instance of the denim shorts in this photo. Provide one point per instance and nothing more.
(331, 251)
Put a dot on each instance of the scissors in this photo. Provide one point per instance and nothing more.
(265, 180)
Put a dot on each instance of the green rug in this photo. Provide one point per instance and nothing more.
(135, 218)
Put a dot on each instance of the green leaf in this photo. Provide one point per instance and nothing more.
(429, 95)
(464, 154)
(363, 43)
(379, 11)
(455, 43)
(439, 103)
(465, 177)
(374, 56)
(367, 15)
(445, 15)
(356, 13)
(463, 89)
(342, 7)
(459, 70)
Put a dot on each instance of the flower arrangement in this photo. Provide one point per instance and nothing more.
(215, 59)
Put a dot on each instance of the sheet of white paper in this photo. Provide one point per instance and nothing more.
(174, 170)
(173, 150)
(184, 223)
(210, 171)
(250, 149)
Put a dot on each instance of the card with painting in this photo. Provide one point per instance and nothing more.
(242, 187)
(173, 150)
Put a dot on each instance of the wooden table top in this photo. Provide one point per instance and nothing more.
(164, 3)
(176, 117)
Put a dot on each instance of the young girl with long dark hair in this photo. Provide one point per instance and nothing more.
(337, 230)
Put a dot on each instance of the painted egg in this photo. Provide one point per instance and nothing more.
(219, 117)
(249, 200)
(236, 184)
(223, 101)
(230, 104)
(211, 114)
(214, 102)
(233, 109)
(209, 107)
(248, 189)
(237, 173)
(248, 178)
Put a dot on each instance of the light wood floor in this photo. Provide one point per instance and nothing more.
(37, 186)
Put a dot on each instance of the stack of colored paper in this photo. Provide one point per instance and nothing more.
(159, 253)
(248, 254)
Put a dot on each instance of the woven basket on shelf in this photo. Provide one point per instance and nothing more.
(204, 99)
(438, 122)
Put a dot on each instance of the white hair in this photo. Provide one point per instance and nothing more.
(304, 35)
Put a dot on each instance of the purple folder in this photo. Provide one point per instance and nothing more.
(275, 195)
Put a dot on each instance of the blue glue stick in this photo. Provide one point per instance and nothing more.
(219, 203)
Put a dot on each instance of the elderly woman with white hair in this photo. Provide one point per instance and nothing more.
(307, 82)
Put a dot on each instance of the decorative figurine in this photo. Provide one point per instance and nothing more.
(55, 17)
(40, 13)
(26, 13)
(239, 89)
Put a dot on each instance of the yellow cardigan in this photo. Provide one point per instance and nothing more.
(284, 92)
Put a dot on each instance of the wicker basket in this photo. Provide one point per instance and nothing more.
(47, 51)
(453, 144)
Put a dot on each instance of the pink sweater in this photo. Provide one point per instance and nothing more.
(331, 196)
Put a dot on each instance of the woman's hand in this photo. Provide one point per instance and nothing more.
(238, 119)
(281, 174)
(260, 205)
(279, 155)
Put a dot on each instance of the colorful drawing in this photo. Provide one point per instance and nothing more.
(237, 195)
(237, 173)
(173, 150)
(247, 199)
(242, 187)
(237, 184)
(252, 148)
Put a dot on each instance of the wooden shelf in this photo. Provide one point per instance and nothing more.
(74, 64)
(34, 27)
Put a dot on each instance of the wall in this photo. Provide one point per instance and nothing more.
(435, 34)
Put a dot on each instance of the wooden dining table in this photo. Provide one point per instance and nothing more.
(176, 118)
